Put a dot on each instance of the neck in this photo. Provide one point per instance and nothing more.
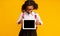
(29, 12)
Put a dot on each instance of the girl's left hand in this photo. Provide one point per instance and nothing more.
(37, 22)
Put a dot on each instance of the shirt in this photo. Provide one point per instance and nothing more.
(30, 17)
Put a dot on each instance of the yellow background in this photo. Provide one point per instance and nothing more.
(48, 10)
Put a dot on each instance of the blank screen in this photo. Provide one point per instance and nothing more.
(29, 23)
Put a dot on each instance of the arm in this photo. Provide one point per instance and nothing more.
(19, 19)
(39, 21)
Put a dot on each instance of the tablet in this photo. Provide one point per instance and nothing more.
(29, 24)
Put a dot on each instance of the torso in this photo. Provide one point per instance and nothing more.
(29, 16)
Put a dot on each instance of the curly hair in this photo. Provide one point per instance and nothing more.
(29, 3)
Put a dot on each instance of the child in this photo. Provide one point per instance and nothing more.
(28, 13)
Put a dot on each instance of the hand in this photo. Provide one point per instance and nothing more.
(20, 22)
(37, 22)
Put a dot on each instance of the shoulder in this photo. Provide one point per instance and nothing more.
(22, 13)
(35, 13)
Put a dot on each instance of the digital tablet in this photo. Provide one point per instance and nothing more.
(29, 24)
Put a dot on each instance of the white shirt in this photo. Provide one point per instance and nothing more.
(30, 17)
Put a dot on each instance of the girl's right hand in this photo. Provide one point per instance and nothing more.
(20, 22)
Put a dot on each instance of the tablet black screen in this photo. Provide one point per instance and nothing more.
(29, 23)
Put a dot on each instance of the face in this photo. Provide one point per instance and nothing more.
(29, 9)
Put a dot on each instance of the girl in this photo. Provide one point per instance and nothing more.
(28, 13)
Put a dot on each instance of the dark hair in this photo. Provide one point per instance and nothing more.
(29, 3)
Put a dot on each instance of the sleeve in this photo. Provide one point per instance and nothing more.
(39, 19)
(20, 18)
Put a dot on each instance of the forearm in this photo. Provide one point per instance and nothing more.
(20, 22)
(38, 23)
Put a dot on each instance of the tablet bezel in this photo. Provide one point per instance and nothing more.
(29, 28)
